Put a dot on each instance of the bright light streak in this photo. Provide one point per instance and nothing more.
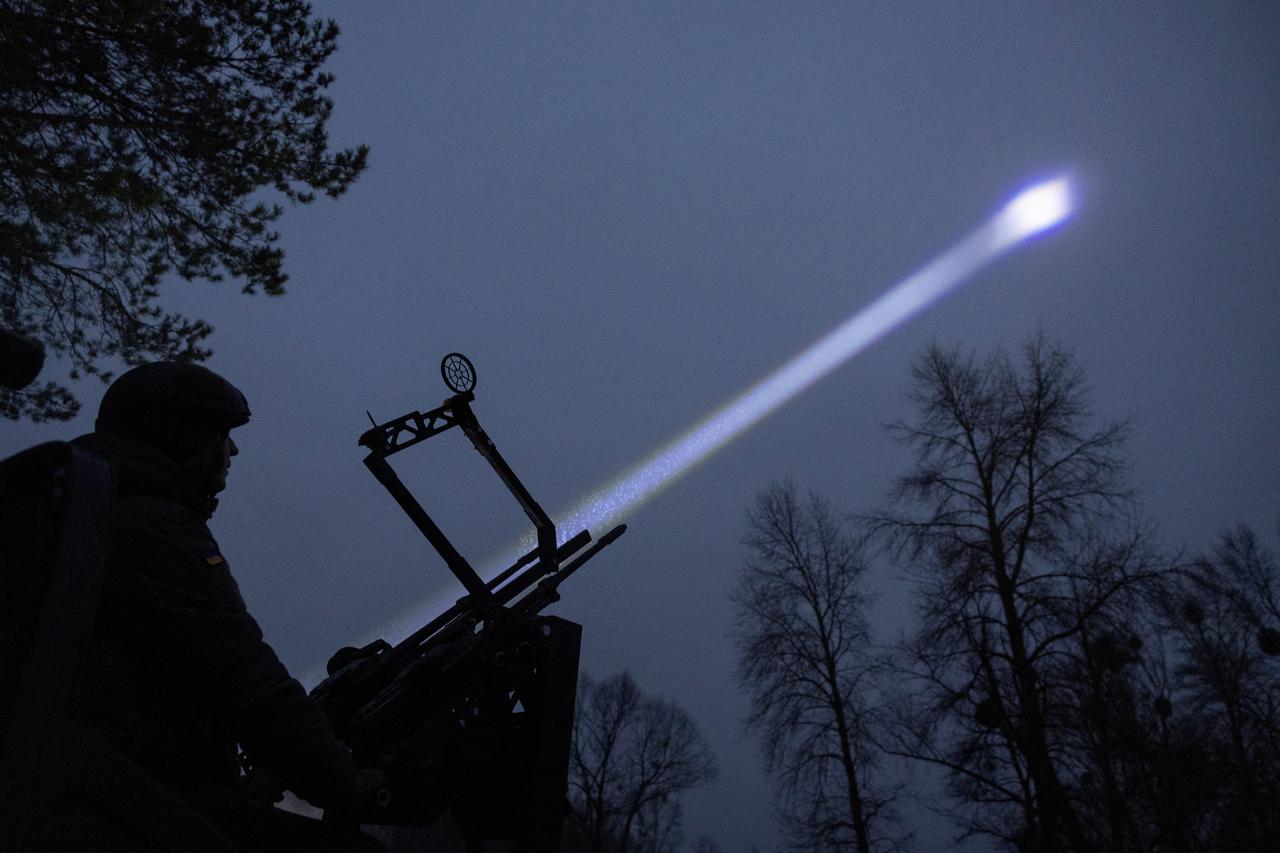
(1033, 211)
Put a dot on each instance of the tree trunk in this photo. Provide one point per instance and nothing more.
(856, 814)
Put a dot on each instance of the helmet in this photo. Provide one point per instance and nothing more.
(171, 405)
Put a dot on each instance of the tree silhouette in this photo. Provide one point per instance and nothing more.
(1181, 731)
(1017, 523)
(633, 755)
(135, 141)
(1223, 614)
(803, 660)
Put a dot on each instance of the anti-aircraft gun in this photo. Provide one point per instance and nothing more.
(472, 714)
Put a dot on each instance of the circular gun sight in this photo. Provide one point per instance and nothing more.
(458, 372)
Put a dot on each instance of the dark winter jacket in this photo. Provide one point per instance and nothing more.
(178, 672)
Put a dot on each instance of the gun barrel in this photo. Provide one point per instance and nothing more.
(562, 553)
(518, 585)
(546, 592)
(510, 591)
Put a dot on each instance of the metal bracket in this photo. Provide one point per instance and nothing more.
(389, 438)
(407, 430)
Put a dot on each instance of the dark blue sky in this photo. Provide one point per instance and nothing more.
(625, 213)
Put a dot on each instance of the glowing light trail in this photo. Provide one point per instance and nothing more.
(1033, 211)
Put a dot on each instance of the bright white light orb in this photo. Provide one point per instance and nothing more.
(1035, 209)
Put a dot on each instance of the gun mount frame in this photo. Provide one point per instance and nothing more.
(473, 712)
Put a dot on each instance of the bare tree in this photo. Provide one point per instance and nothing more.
(1223, 613)
(1017, 523)
(633, 755)
(803, 660)
(1178, 722)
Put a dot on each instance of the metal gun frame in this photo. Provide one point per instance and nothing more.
(472, 713)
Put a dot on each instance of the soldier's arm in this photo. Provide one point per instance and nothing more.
(215, 649)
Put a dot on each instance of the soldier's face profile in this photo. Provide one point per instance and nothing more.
(227, 449)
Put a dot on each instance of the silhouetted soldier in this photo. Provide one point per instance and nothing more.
(177, 672)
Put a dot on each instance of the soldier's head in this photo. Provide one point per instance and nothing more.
(184, 410)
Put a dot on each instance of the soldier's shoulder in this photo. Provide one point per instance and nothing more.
(150, 522)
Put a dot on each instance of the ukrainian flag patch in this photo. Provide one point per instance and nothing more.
(212, 557)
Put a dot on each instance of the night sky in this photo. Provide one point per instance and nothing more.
(624, 214)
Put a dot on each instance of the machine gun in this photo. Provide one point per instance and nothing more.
(472, 714)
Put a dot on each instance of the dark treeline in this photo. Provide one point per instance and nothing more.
(1078, 689)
